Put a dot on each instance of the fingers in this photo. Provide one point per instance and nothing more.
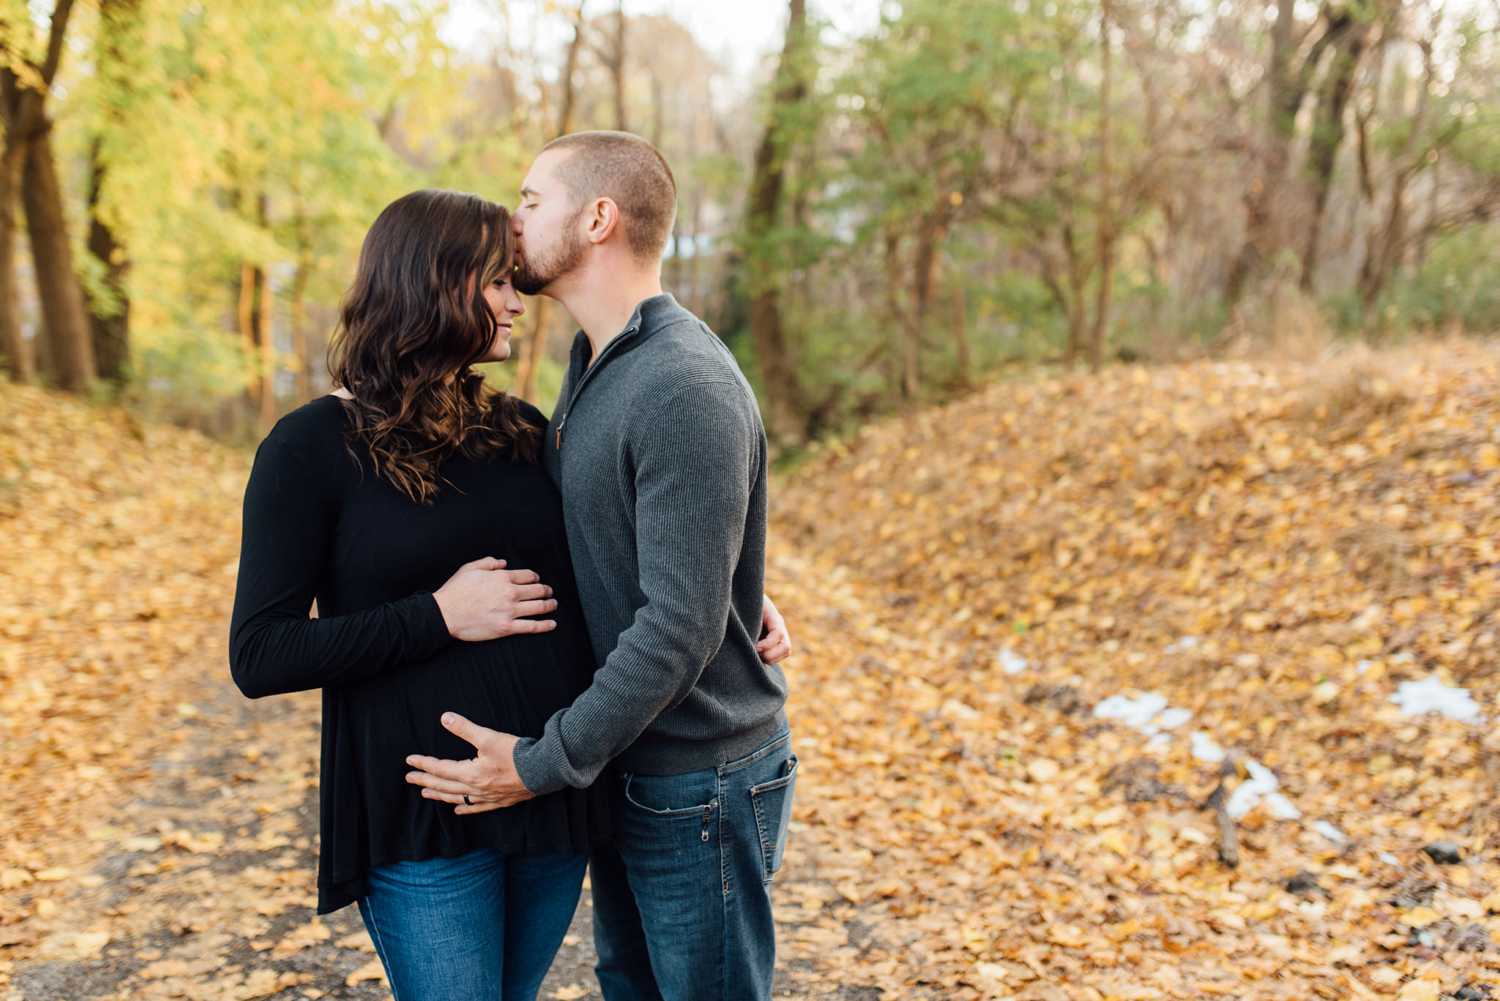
(484, 563)
(457, 771)
(461, 727)
(522, 576)
(776, 654)
(774, 638)
(465, 809)
(435, 784)
(528, 627)
(530, 592)
(526, 609)
(456, 798)
(775, 647)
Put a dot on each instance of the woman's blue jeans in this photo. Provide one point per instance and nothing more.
(481, 927)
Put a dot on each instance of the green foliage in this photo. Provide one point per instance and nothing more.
(275, 133)
(964, 134)
(1457, 285)
(549, 380)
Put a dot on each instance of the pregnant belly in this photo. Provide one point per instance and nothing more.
(513, 685)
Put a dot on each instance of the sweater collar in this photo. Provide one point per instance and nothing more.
(647, 317)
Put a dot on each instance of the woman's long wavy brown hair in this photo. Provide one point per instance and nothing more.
(410, 329)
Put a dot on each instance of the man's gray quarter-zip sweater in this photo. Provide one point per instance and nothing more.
(660, 455)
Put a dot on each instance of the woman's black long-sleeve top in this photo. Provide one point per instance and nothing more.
(320, 525)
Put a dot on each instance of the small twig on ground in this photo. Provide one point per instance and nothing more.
(1218, 800)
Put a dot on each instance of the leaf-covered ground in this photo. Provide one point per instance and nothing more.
(1030, 625)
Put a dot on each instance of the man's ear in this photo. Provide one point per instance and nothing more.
(603, 220)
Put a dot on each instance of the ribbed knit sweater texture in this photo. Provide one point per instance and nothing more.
(660, 454)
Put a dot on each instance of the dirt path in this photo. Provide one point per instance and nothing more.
(197, 880)
(215, 902)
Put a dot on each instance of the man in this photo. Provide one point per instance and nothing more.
(659, 452)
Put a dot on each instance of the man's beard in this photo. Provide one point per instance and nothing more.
(534, 274)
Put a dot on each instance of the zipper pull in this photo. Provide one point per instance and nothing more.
(559, 437)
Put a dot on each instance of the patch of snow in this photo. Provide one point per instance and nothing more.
(1432, 695)
(1282, 808)
(1330, 832)
(1137, 712)
(1010, 661)
(1261, 785)
(1204, 748)
(1171, 719)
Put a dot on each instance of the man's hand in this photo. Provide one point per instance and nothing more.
(489, 778)
(775, 643)
(485, 601)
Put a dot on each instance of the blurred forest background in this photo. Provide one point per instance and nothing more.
(869, 216)
(1161, 681)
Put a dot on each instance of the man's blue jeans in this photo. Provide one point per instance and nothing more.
(682, 900)
(481, 927)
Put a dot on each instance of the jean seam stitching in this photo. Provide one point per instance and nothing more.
(723, 970)
(679, 812)
(760, 832)
(723, 855)
(744, 762)
(380, 949)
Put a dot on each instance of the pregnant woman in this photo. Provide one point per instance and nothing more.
(367, 501)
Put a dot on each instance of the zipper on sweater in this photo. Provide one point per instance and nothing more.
(624, 335)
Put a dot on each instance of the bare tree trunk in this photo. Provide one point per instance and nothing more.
(267, 351)
(617, 69)
(301, 346)
(109, 320)
(932, 231)
(245, 315)
(1384, 244)
(905, 356)
(23, 112)
(961, 334)
(1077, 291)
(61, 294)
(658, 111)
(15, 355)
(534, 345)
(1286, 92)
(778, 365)
(1104, 227)
(695, 261)
(1425, 232)
(570, 70)
(1328, 130)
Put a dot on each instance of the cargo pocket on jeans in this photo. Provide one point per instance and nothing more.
(772, 802)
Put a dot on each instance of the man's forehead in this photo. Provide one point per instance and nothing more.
(543, 173)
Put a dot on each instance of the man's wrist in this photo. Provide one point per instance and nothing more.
(530, 762)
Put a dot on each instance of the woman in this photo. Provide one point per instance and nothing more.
(366, 500)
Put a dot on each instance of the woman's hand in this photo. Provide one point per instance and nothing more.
(485, 601)
(775, 643)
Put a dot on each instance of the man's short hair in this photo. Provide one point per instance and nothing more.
(628, 169)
